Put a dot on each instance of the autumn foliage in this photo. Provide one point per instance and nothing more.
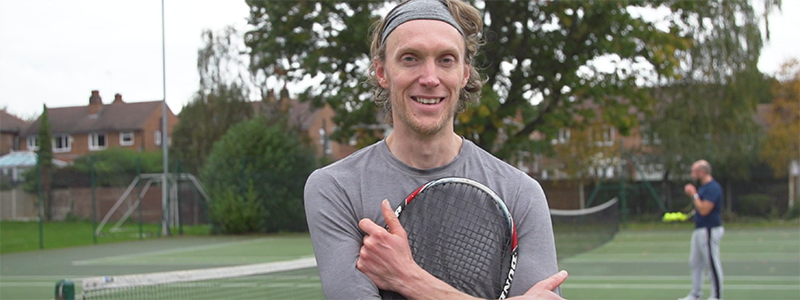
(783, 120)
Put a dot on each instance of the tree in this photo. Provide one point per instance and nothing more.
(45, 157)
(220, 102)
(783, 120)
(708, 111)
(255, 177)
(543, 60)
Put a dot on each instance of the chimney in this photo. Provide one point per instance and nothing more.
(95, 103)
(117, 99)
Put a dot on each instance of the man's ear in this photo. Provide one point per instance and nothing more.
(380, 73)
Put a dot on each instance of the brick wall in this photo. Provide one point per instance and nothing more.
(325, 117)
(7, 142)
(78, 202)
(152, 124)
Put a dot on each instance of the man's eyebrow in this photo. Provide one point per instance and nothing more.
(402, 50)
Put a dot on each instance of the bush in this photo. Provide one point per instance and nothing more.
(260, 166)
(793, 212)
(756, 205)
(234, 212)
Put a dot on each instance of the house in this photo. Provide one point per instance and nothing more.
(316, 123)
(81, 130)
(14, 164)
(11, 130)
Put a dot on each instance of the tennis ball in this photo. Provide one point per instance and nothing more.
(668, 217)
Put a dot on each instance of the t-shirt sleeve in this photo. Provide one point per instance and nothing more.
(333, 225)
(537, 248)
(711, 193)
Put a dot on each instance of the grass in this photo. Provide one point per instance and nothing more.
(24, 236)
(645, 260)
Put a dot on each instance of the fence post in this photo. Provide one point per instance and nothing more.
(41, 201)
(94, 199)
(178, 195)
(139, 195)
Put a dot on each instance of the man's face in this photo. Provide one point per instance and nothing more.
(696, 173)
(424, 72)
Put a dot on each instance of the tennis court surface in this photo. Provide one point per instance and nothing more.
(636, 264)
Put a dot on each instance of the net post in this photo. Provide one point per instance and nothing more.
(65, 290)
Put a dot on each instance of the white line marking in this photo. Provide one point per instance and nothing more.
(687, 277)
(747, 287)
(170, 251)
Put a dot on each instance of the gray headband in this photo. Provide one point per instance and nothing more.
(418, 10)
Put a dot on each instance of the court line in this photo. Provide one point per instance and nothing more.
(678, 277)
(747, 287)
(724, 243)
(646, 261)
(37, 277)
(169, 251)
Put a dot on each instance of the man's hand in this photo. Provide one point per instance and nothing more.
(543, 290)
(385, 256)
(690, 190)
(386, 259)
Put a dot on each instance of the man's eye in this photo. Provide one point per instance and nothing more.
(408, 58)
(448, 60)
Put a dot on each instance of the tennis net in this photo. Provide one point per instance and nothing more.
(576, 231)
(296, 279)
(581, 230)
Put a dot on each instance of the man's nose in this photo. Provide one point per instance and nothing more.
(429, 76)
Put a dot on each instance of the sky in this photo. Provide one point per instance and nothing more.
(56, 52)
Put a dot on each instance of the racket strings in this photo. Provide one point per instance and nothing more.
(459, 235)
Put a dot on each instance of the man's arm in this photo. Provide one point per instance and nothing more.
(386, 258)
(332, 223)
(703, 207)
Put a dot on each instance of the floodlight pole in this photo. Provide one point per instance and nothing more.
(164, 132)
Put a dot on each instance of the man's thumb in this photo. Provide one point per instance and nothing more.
(551, 283)
(392, 222)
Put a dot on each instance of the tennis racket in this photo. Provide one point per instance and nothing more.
(461, 232)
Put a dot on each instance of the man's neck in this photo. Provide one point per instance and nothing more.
(424, 152)
(706, 180)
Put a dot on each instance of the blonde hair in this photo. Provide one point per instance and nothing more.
(469, 18)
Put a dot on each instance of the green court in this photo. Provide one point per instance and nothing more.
(637, 264)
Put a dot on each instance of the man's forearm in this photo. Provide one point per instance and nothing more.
(702, 207)
(422, 285)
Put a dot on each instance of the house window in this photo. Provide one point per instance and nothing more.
(126, 138)
(563, 137)
(649, 136)
(603, 136)
(33, 143)
(157, 136)
(62, 143)
(324, 142)
(98, 141)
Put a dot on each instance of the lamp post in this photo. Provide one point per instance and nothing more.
(164, 133)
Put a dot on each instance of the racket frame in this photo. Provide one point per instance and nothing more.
(500, 204)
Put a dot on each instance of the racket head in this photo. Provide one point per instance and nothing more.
(460, 231)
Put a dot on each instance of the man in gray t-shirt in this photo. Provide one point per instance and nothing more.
(422, 74)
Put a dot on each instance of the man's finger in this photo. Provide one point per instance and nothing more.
(551, 283)
(369, 227)
(391, 220)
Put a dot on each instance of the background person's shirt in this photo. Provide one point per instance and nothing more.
(711, 191)
(338, 196)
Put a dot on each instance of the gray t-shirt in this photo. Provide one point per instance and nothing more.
(338, 196)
